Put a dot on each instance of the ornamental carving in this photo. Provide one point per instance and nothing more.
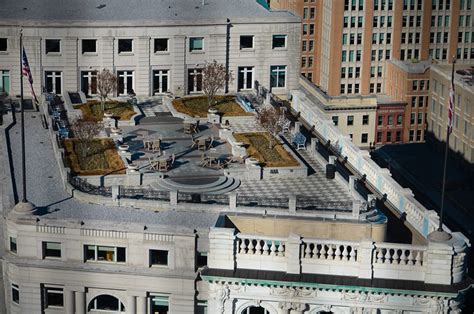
(287, 292)
(377, 298)
(303, 292)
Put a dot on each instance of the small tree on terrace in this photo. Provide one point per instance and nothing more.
(84, 131)
(106, 84)
(214, 77)
(272, 121)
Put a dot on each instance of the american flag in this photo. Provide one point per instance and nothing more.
(451, 106)
(27, 72)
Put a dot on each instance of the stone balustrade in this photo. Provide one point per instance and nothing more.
(437, 263)
(423, 220)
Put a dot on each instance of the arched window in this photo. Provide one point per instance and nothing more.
(106, 302)
(255, 310)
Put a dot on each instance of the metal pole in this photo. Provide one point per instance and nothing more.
(23, 159)
(441, 211)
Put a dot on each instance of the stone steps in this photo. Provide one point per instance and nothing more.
(220, 186)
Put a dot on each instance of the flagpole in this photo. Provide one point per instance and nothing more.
(23, 159)
(448, 132)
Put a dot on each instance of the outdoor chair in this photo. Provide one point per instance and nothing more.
(202, 144)
(163, 165)
(156, 146)
(153, 163)
(188, 128)
(211, 142)
(299, 140)
(195, 127)
(286, 127)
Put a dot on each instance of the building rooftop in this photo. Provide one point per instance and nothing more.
(418, 67)
(463, 75)
(149, 12)
(55, 204)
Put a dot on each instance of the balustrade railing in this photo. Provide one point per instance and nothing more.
(329, 250)
(264, 246)
(399, 254)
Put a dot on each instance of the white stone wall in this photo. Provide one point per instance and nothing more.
(131, 282)
(143, 60)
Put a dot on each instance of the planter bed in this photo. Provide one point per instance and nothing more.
(101, 159)
(197, 106)
(122, 111)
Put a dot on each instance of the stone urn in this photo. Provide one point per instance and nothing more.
(108, 115)
(252, 161)
(212, 111)
(132, 167)
(240, 144)
(115, 131)
(123, 148)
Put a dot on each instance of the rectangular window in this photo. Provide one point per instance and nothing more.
(277, 76)
(13, 247)
(310, 62)
(4, 82)
(160, 81)
(246, 42)
(89, 46)
(412, 118)
(311, 13)
(311, 29)
(104, 253)
(350, 120)
(51, 249)
(53, 80)
(365, 119)
(53, 297)
(159, 304)
(418, 135)
(304, 45)
(3, 44)
(159, 257)
(390, 120)
(389, 136)
(89, 83)
(279, 41)
(335, 120)
(245, 78)
(364, 138)
(411, 135)
(196, 44)
(398, 136)
(125, 82)
(15, 293)
(379, 137)
(52, 46)
(305, 29)
(194, 80)
(380, 120)
(399, 119)
(311, 45)
(161, 45)
(125, 45)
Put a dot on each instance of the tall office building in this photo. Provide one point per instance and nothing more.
(349, 41)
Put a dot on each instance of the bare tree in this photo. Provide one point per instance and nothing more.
(271, 120)
(106, 84)
(214, 77)
(84, 131)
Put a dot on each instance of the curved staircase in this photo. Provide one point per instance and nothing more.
(206, 185)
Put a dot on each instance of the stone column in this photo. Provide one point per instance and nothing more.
(131, 305)
(80, 302)
(69, 306)
(284, 307)
(292, 253)
(297, 308)
(364, 258)
(141, 305)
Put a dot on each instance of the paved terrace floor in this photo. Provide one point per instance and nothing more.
(45, 189)
(160, 123)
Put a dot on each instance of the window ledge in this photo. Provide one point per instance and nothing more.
(280, 48)
(247, 49)
(4, 52)
(90, 54)
(197, 52)
(128, 53)
(53, 54)
(160, 266)
(162, 53)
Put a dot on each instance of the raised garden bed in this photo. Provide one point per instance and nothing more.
(258, 146)
(100, 157)
(93, 110)
(198, 106)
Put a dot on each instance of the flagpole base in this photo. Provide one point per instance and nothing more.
(24, 208)
(439, 236)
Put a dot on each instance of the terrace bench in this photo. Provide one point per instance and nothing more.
(299, 140)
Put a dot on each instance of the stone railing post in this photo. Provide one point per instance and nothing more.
(314, 145)
(221, 248)
(174, 197)
(437, 262)
(293, 256)
(356, 205)
(232, 200)
(364, 258)
(292, 204)
(115, 194)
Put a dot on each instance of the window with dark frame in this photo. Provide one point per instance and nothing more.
(159, 258)
(13, 247)
(335, 120)
(364, 138)
(53, 297)
(125, 45)
(279, 41)
(161, 45)
(196, 44)
(89, 46)
(51, 249)
(365, 119)
(246, 42)
(350, 120)
(52, 46)
(3, 44)
(15, 293)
